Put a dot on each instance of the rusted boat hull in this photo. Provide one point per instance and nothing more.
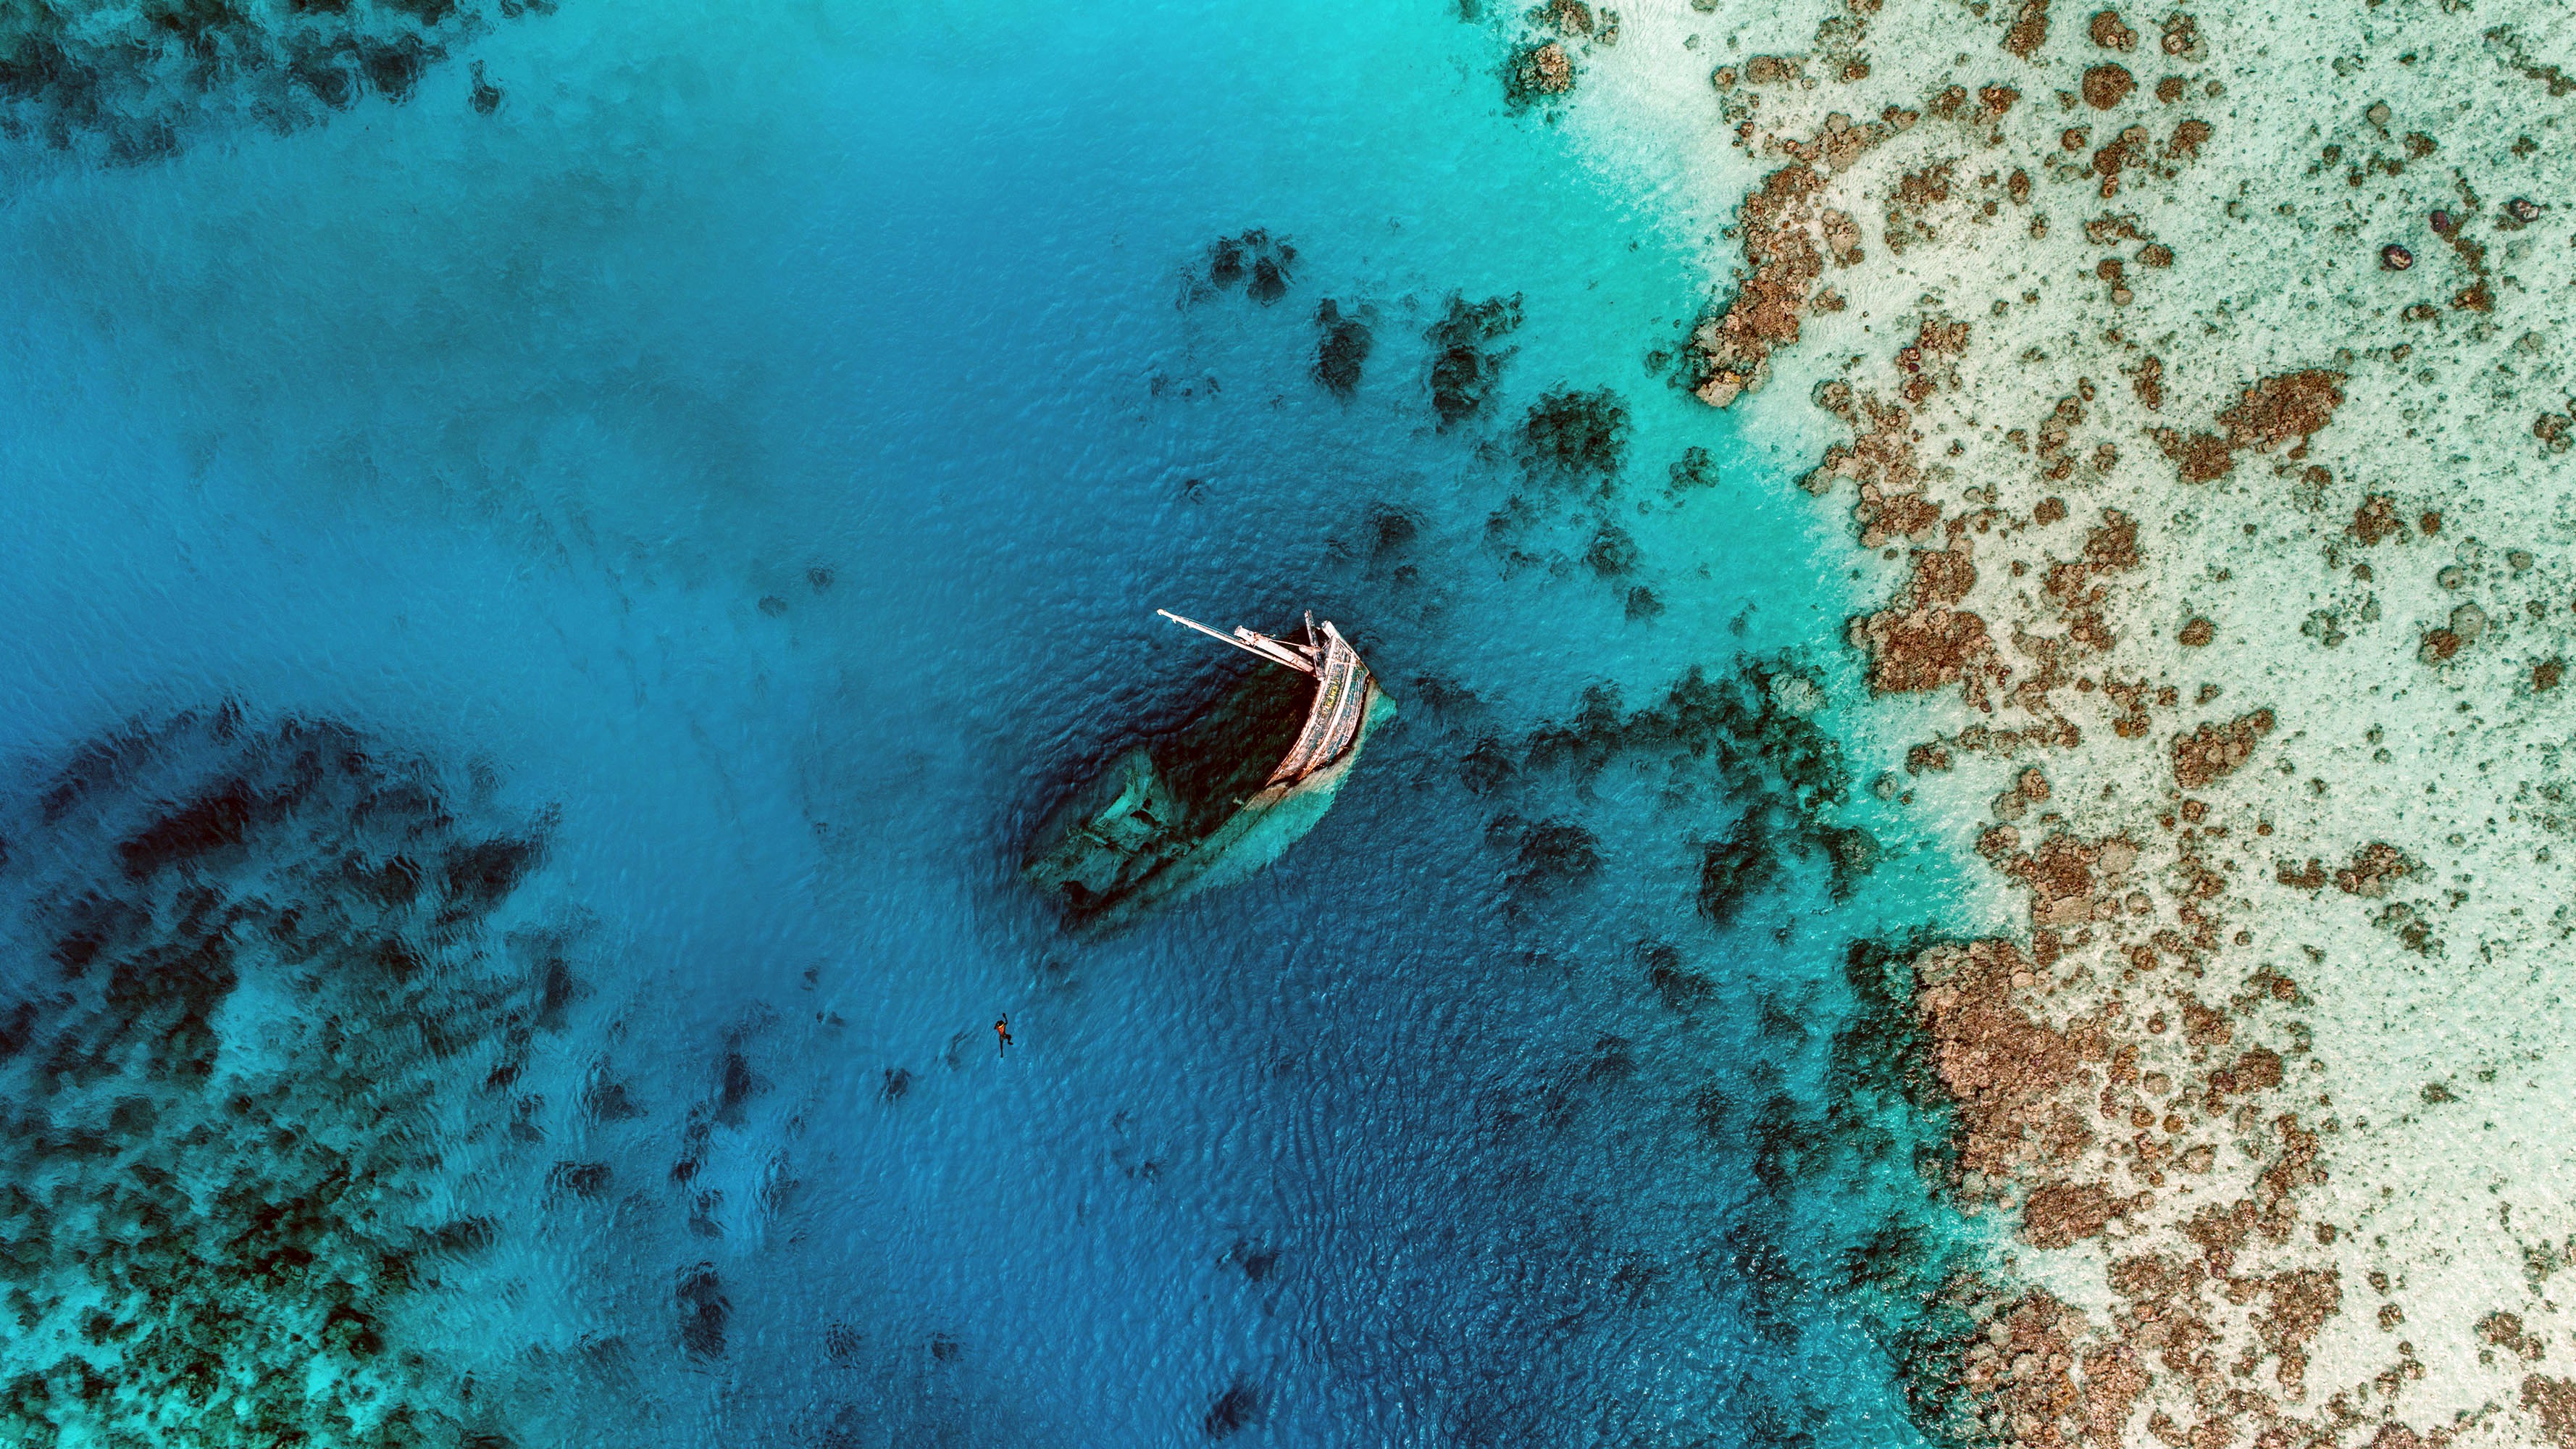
(1253, 836)
(1127, 845)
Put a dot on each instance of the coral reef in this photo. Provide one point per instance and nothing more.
(275, 972)
(135, 81)
(2215, 1110)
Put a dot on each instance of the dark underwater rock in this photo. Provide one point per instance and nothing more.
(1575, 437)
(1754, 735)
(1854, 853)
(1254, 261)
(1341, 349)
(1391, 531)
(1466, 365)
(610, 1102)
(1256, 1262)
(585, 1180)
(1234, 1409)
(1680, 989)
(1552, 856)
(1743, 725)
(1695, 470)
(704, 1311)
(1613, 552)
(736, 1088)
(1731, 868)
(1487, 767)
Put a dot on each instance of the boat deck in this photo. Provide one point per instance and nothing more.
(1341, 698)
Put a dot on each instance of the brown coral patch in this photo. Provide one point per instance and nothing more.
(1920, 647)
(1569, 18)
(2074, 587)
(2107, 85)
(1881, 458)
(2112, 1383)
(1943, 575)
(2372, 868)
(2220, 1232)
(2198, 457)
(2203, 1026)
(2022, 1377)
(1773, 70)
(2554, 1400)
(1995, 1062)
(2504, 1330)
(2298, 1304)
(1542, 70)
(2310, 877)
(2110, 32)
(2060, 1214)
(1919, 642)
(1732, 349)
(2278, 409)
(2029, 29)
(2188, 138)
(2114, 544)
(2377, 519)
(2213, 752)
(2129, 148)
(2148, 380)
(2275, 410)
(1884, 518)
(2258, 1070)
(2061, 874)
(1842, 237)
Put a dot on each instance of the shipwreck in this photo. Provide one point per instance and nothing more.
(1222, 797)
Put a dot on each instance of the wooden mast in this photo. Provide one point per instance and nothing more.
(1260, 645)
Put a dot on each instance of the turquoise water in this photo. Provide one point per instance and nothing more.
(736, 475)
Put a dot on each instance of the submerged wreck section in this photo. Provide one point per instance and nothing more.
(1222, 797)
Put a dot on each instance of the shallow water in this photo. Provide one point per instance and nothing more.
(743, 466)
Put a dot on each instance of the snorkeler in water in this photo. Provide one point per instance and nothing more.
(1002, 1029)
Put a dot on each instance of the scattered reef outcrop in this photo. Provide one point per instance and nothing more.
(1752, 734)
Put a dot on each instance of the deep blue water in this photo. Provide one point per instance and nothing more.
(745, 466)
